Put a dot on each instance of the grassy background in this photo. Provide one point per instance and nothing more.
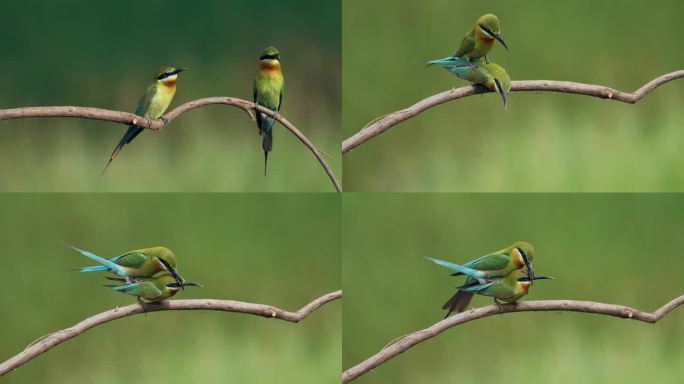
(611, 248)
(104, 54)
(545, 141)
(279, 249)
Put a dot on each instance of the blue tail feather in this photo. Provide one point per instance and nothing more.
(109, 265)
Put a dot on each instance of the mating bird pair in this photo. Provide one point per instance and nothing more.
(506, 275)
(148, 273)
(470, 60)
(268, 93)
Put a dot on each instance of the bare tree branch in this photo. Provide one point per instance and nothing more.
(410, 340)
(47, 342)
(129, 118)
(383, 123)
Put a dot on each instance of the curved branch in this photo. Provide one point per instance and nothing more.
(129, 118)
(410, 340)
(383, 123)
(47, 342)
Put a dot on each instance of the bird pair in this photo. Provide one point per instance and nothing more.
(506, 275)
(148, 273)
(268, 93)
(470, 60)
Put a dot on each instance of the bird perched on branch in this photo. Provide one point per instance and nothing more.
(479, 40)
(144, 262)
(268, 92)
(508, 289)
(152, 289)
(490, 75)
(152, 105)
(485, 269)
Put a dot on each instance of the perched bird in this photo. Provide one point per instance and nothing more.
(152, 105)
(268, 92)
(490, 75)
(517, 257)
(152, 289)
(507, 289)
(495, 264)
(144, 262)
(479, 41)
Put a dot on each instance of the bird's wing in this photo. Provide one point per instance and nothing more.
(116, 268)
(478, 288)
(132, 259)
(144, 289)
(258, 115)
(280, 97)
(467, 45)
(145, 101)
(489, 262)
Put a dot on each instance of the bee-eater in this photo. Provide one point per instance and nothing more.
(490, 75)
(501, 263)
(480, 39)
(153, 289)
(507, 289)
(152, 105)
(268, 92)
(144, 262)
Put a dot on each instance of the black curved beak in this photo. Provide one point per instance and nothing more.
(177, 70)
(174, 273)
(502, 92)
(191, 284)
(541, 277)
(500, 39)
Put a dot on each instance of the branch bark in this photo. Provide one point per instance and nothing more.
(383, 123)
(412, 339)
(47, 342)
(129, 118)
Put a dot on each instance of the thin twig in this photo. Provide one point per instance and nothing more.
(129, 118)
(380, 125)
(410, 340)
(51, 340)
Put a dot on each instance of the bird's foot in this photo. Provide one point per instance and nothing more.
(501, 308)
(164, 119)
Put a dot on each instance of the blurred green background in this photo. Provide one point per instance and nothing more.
(622, 249)
(280, 249)
(104, 54)
(545, 141)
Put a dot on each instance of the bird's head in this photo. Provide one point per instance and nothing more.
(525, 252)
(167, 259)
(168, 75)
(488, 27)
(270, 59)
(500, 82)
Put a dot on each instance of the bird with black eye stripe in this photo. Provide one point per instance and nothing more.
(152, 105)
(505, 275)
(269, 85)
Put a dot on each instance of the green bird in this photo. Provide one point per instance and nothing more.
(152, 289)
(479, 40)
(507, 289)
(268, 92)
(501, 263)
(152, 105)
(144, 262)
(490, 75)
